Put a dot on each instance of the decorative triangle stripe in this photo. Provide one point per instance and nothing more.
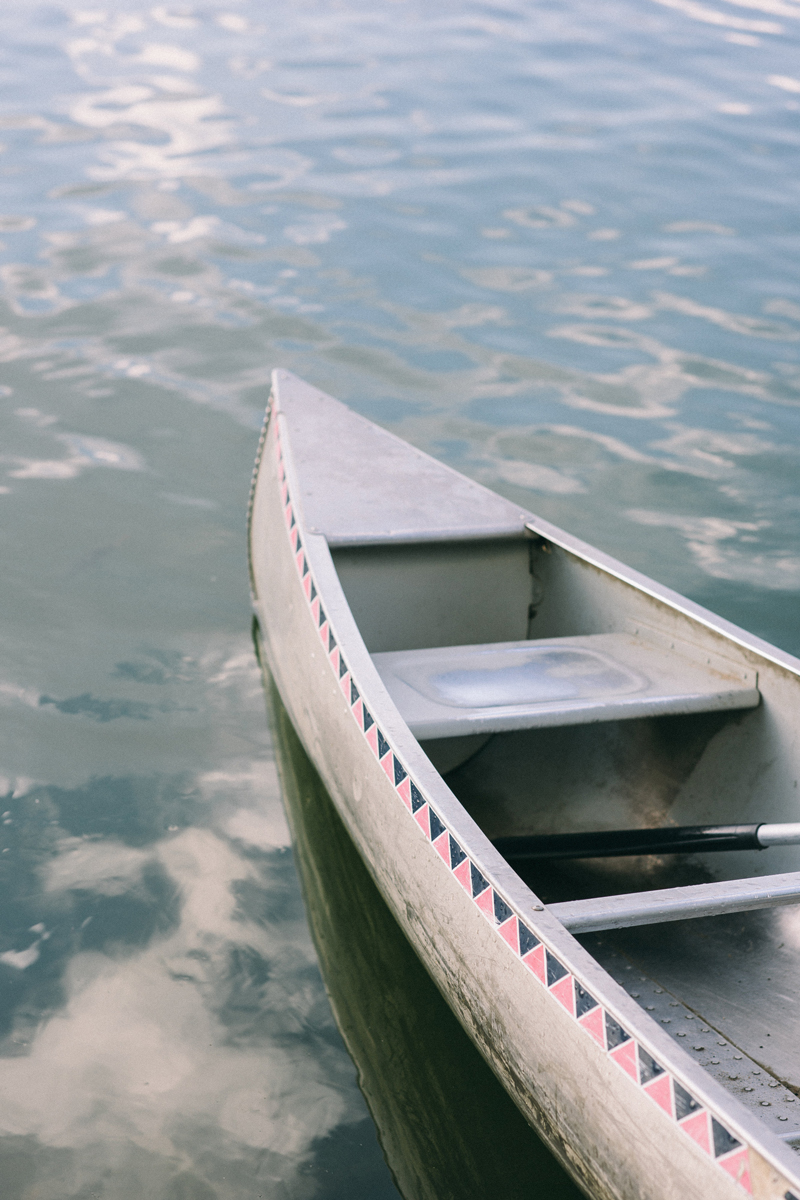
(604, 1030)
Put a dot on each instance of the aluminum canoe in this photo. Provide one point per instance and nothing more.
(461, 673)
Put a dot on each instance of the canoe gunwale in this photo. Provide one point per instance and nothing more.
(538, 527)
(500, 877)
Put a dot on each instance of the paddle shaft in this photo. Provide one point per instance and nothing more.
(615, 843)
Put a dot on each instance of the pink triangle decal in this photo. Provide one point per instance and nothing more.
(594, 1024)
(625, 1056)
(344, 683)
(307, 586)
(388, 765)
(284, 493)
(372, 737)
(288, 515)
(442, 847)
(738, 1165)
(697, 1128)
(423, 820)
(323, 633)
(564, 992)
(299, 558)
(462, 874)
(358, 714)
(660, 1090)
(404, 792)
(534, 961)
(509, 931)
(485, 903)
(334, 658)
(315, 609)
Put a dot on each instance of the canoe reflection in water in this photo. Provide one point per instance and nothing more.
(447, 1127)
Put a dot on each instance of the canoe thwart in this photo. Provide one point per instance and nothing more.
(678, 904)
(453, 691)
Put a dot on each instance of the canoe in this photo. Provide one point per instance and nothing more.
(575, 789)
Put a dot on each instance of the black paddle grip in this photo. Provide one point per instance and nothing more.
(682, 839)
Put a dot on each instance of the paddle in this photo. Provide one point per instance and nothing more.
(681, 839)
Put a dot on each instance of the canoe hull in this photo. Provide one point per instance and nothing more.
(608, 1111)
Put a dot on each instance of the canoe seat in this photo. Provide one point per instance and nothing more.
(452, 691)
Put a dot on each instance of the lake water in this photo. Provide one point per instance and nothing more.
(555, 245)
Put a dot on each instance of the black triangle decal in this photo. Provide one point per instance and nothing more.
(383, 745)
(723, 1141)
(555, 969)
(501, 910)
(527, 940)
(584, 1001)
(685, 1103)
(479, 884)
(615, 1034)
(417, 799)
(457, 855)
(399, 772)
(437, 828)
(648, 1067)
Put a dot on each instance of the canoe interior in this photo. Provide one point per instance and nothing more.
(733, 976)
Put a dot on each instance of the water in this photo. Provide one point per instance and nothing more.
(553, 244)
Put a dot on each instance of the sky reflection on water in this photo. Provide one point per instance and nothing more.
(556, 245)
